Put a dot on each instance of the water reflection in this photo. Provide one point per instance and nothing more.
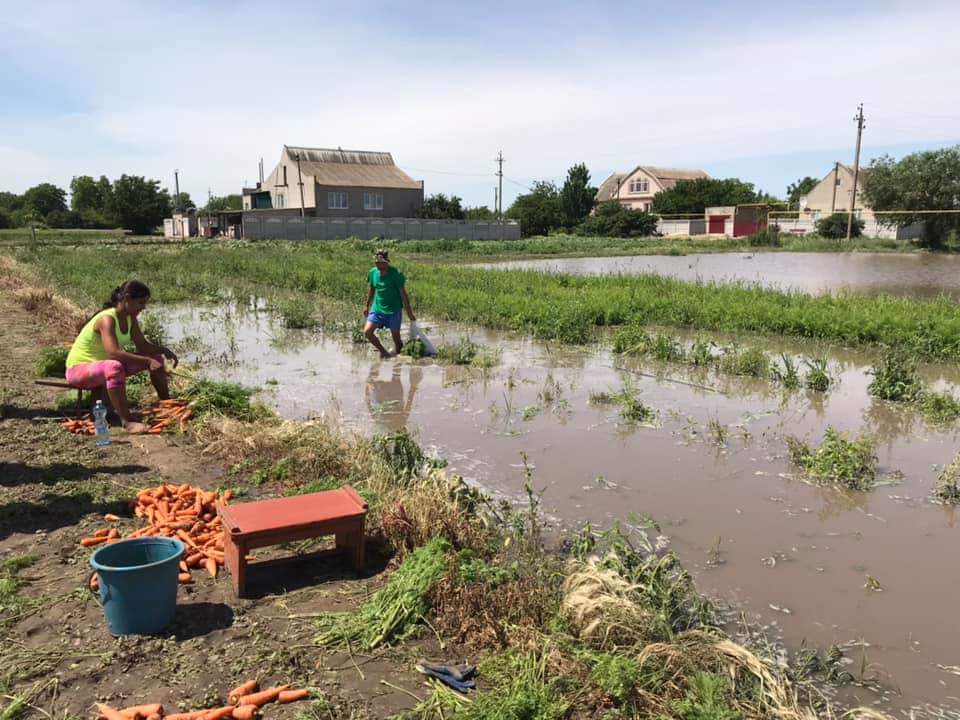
(388, 407)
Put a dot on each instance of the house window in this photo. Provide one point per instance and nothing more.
(337, 201)
(639, 186)
(280, 201)
(284, 174)
(839, 180)
(372, 201)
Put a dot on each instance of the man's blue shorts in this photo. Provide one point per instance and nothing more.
(391, 321)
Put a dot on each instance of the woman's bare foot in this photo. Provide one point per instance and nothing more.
(134, 428)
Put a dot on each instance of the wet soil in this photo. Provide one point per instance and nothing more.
(798, 558)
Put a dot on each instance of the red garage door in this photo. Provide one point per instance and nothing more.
(717, 223)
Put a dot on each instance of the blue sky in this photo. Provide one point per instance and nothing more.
(756, 91)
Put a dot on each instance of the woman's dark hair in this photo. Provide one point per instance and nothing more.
(130, 289)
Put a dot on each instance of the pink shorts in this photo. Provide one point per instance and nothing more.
(111, 373)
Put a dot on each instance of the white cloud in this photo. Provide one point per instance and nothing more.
(210, 92)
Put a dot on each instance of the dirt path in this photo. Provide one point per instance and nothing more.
(55, 488)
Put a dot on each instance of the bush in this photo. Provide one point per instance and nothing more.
(612, 219)
(837, 460)
(766, 238)
(52, 362)
(948, 484)
(835, 226)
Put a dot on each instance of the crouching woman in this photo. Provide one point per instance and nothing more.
(98, 359)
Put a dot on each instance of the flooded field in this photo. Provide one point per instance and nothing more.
(907, 275)
(870, 572)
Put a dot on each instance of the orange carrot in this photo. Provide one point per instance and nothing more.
(113, 534)
(185, 578)
(219, 713)
(102, 532)
(142, 710)
(264, 696)
(211, 565)
(288, 696)
(110, 517)
(184, 567)
(243, 712)
(91, 541)
(109, 713)
(227, 495)
(243, 689)
(193, 715)
(155, 716)
(94, 582)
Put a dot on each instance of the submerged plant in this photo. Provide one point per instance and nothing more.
(667, 349)
(818, 376)
(837, 460)
(939, 407)
(895, 377)
(632, 409)
(786, 372)
(296, 315)
(701, 353)
(745, 361)
(948, 483)
(718, 432)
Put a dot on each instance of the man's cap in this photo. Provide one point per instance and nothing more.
(381, 255)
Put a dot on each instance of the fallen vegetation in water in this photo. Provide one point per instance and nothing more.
(837, 460)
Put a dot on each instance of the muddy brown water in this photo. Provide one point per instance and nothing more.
(795, 557)
(903, 274)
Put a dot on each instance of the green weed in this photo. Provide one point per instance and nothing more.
(393, 613)
(52, 362)
(947, 489)
(401, 454)
(837, 460)
(786, 372)
(818, 376)
(226, 398)
(701, 353)
(667, 349)
(708, 698)
(752, 362)
(11, 601)
(153, 329)
(895, 377)
(939, 407)
(463, 353)
(296, 315)
(616, 675)
(717, 432)
(632, 409)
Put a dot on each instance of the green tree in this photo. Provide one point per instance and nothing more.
(612, 219)
(801, 187)
(224, 202)
(694, 196)
(181, 202)
(139, 204)
(577, 197)
(85, 194)
(5, 219)
(539, 210)
(43, 199)
(440, 207)
(11, 202)
(928, 180)
(482, 212)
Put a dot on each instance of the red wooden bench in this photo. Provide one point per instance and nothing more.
(251, 525)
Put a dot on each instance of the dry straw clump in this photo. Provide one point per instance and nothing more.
(602, 606)
(52, 308)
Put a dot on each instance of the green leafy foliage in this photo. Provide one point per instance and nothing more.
(577, 196)
(818, 375)
(707, 699)
(939, 407)
(947, 489)
(393, 613)
(695, 196)
(838, 460)
(616, 675)
(225, 398)
(401, 453)
(139, 204)
(441, 207)
(895, 377)
(612, 219)
(835, 226)
(927, 180)
(798, 189)
(52, 362)
(538, 211)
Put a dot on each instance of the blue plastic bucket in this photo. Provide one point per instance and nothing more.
(138, 583)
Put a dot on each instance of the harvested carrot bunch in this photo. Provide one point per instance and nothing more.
(167, 413)
(79, 426)
(181, 511)
(244, 703)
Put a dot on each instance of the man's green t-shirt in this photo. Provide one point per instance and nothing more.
(386, 296)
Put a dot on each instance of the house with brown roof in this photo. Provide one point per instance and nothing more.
(637, 188)
(329, 182)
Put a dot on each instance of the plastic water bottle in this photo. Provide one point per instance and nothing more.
(100, 424)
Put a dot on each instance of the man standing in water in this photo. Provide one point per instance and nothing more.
(389, 298)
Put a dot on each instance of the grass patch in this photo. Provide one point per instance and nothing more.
(52, 362)
(225, 398)
(752, 362)
(818, 375)
(467, 352)
(394, 612)
(632, 408)
(707, 698)
(838, 460)
(11, 602)
(296, 315)
(939, 407)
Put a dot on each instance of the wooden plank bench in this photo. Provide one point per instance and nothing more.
(63, 384)
(341, 513)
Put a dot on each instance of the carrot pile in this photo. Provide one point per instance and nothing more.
(165, 413)
(244, 703)
(79, 426)
(181, 511)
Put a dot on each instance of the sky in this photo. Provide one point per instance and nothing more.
(748, 90)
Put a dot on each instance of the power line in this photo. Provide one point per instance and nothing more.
(447, 172)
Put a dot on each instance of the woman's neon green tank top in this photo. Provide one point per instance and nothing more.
(88, 347)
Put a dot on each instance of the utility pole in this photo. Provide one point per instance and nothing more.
(500, 191)
(495, 196)
(209, 201)
(176, 190)
(836, 176)
(300, 182)
(856, 171)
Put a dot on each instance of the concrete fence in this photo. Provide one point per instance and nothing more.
(297, 228)
(792, 226)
